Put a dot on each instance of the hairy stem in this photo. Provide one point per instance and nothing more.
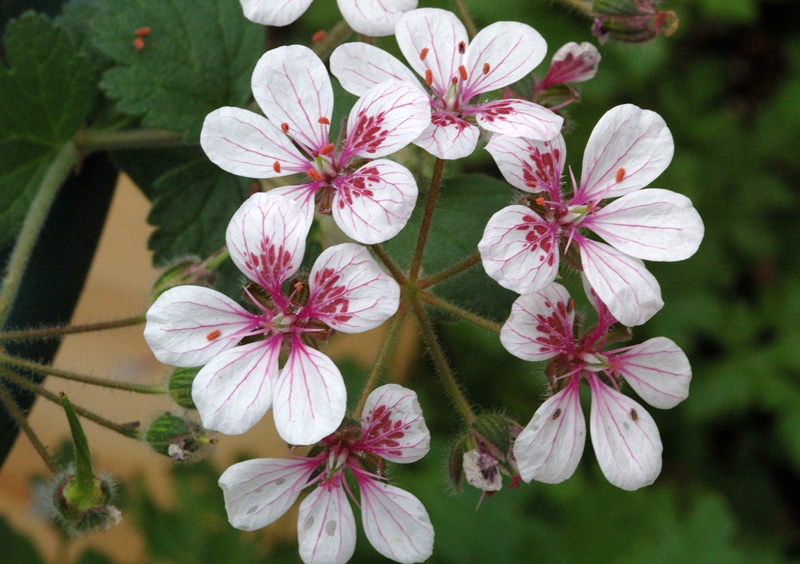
(89, 141)
(394, 270)
(19, 417)
(56, 332)
(74, 377)
(450, 272)
(128, 430)
(387, 349)
(59, 169)
(466, 17)
(427, 218)
(442, 367)
(459, 312)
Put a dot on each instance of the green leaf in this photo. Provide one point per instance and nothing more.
(58, 88)
(197, 57)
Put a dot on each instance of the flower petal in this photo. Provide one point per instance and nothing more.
(349, 291)
(573, 62)
(293, 88)
(510, 49)
(429, 39)
(628, 148)
(247, 144)
(310, 397)
(386, 119)
(361, 66)
(326, 527)
(657, 370)
(448, 137)
(532, 166)
(375, 18)
(622, 283)
(651, 224)
(190, 325)
(519, 249)
(393, 426)
(304, 195)
(549, 448)
(258, 492)
(374, 203)
(540, 325)
(234, 391)
(518, 118)
(625, 438)
(395, 521)
(267, 238)
(270, 12)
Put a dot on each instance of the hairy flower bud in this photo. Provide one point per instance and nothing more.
(185, 271)
(177, 437)
(80, 511)
(180, 386)
(631, 21)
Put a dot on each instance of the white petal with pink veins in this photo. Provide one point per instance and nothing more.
(190, 325)
(375, 18)
(267, 238)
(374, 203)
(234, 391)
(349, 291)
(395, 522)
(622, 283)
(540, 325)
(501, 54)
(246, 144)
(518, 118)
(628, 148)
(657, 370)
(310, 397)
(448, 137)
(393, 426)
(532, 166)
(258, 492)
(361, 66)
(429, 39)
(549, 448)
(573, 62)
(304, 195)
(386, 119)
(519, 249)
(292, 86)
(625, 438)
(326, 527)
(650, 224)
(272, 12)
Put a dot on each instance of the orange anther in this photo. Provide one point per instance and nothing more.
(215, 334)
(298, 286)
(540, 201)
(138, 43)
(142, 31)
(620, 174)
(324, 121)
(326, 149)
(276, 166)
(462, 72)
(314, 174)
(319, 36)
(462, 47)
(285, 127)
(486, 68)
(428, 77)
(571, 304)
(423, 54)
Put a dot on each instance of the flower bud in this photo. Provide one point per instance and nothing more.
(186, 271)
(180, 386)
(176, 437)
(80, 511)
(631, 21)
(573, 62)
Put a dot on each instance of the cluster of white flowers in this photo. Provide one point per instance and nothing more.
(371, 199)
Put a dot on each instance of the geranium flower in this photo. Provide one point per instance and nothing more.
(194, 326)
(624, 436)
(370, 204)
(257, 492)
(628, 148)
(455, 70)
(375, 18)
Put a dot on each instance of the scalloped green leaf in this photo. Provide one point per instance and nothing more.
(197, 57)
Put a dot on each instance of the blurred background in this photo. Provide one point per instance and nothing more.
(727, 82)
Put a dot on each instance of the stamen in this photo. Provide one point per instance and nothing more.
(314, 174)
(324, 121)
(326, 149)
(142, 31)
(276, 166)
(462, 72)
(428, 77)
(138, 43)
(486, 68)
(571, 304)
(620, 174)
(454, 80)
(298, 286)
(285, 127)
(540, 200)
(215, 334)
(634, 415)
(319, 36)
(423, 54)
(462, 47)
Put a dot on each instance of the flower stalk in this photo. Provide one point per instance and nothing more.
(19, 418)
(57, 332)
